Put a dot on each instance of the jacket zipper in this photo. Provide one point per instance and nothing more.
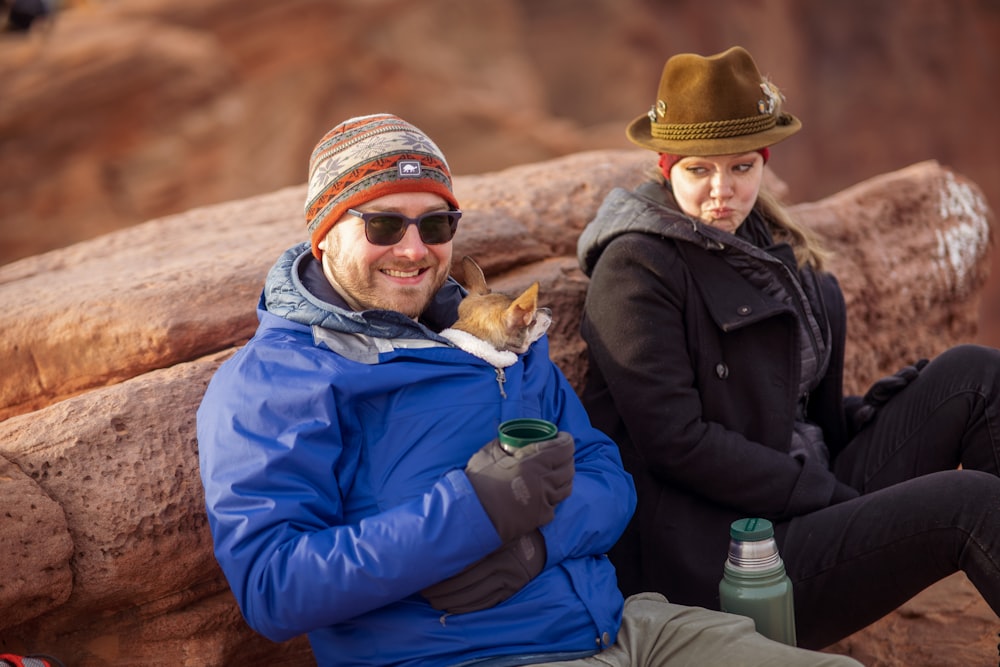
(501, 379)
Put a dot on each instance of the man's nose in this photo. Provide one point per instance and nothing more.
(411, 245)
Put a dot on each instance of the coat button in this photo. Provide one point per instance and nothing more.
(721, 370)
(744, 310)
(605, 639)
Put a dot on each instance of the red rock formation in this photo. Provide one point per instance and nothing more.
(113, 340)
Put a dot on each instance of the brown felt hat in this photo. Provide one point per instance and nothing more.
(715, 105)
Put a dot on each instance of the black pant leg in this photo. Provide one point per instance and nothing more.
(857, 561)
(948, 416)
(919, 519)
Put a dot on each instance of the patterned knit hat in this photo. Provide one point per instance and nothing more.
(365, 158)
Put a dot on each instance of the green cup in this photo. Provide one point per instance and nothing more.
(516, 433)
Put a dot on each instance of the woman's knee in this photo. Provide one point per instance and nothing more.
(971, 498)
(969, 360)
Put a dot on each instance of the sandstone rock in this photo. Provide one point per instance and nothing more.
(908, 251)
(116, 338)
(172, 289)
(121, 462)
(157, 294)
(35, 544)
(175, 288)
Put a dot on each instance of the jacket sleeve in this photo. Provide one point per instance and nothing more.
(594, 516)
(637, 334)
(273, 470)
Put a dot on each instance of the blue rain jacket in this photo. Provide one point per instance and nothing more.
(332, 449)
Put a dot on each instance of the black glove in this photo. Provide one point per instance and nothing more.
(520, 491)
(493, 579)
(883, 390)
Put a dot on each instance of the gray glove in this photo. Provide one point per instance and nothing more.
(520, 491)
(493, 579)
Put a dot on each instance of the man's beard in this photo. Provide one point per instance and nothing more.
(359, 287)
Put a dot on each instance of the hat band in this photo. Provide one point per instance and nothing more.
(716, 129)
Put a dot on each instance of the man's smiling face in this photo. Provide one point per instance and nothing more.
(404, 276)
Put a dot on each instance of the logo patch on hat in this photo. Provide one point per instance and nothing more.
(408, 168)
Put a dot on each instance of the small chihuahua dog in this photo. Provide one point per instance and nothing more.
(505, 324)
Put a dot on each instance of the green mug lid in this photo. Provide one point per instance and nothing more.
(751, 529)
(517, 433)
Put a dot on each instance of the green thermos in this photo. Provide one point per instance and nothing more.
(754, 582)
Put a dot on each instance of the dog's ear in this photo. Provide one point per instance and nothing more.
(475, 281)
(521, 312)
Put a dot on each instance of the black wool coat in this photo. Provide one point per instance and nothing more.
(694, 372)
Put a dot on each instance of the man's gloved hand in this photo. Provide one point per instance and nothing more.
(883, 390)
(493, 579)
(520, 491)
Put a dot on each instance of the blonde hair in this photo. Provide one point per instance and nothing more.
(809, 250)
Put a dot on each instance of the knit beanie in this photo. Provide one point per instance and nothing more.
(365, 158)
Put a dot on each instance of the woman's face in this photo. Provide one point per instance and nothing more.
(719, 190)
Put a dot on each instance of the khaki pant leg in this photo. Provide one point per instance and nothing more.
(656, 633)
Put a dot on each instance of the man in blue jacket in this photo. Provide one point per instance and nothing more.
(355, 488)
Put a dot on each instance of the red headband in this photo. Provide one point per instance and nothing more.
(668, 160)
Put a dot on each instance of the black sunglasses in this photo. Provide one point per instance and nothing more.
(434, 227)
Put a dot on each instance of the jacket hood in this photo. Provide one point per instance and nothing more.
(296, 289)
(650, 210)
(647, 210)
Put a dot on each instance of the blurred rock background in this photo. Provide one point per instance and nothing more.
(114, 112)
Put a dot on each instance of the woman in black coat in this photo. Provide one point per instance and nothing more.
(716, 345)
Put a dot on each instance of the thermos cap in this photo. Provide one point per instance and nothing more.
(751, 529)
